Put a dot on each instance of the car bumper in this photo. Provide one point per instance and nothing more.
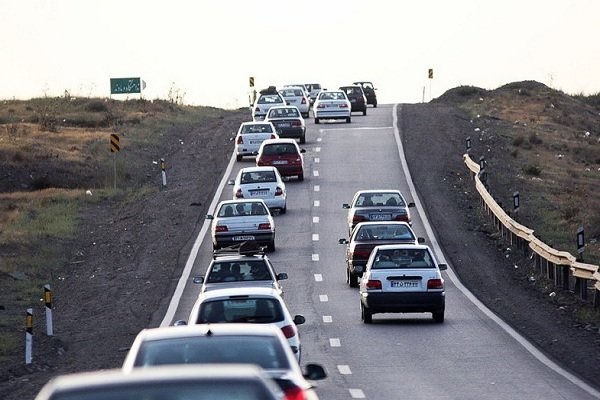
(293, 133)
(357, 267)
(228, 239)
(378, 302)
(290, 170)
(332, 114)
(277, 202)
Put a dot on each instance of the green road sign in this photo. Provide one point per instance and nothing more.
(125, 85)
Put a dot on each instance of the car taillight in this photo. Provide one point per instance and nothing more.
(321, 105)
(264, 226)
(343, 105)
(239, 194)
(278, 191)
(296, 123)
(357, 218)
(435, 284)
(273, 136)
(240, 140)
(221, 228)
(257, 109)
(294, 393)
(361, 252)
(288, 331)
(304, 100)
(402, 217)
(373, 284)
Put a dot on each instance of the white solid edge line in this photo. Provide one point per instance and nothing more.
(434, 243)
(174, 304)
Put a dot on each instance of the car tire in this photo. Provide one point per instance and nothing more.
(351, 279)
(375, 105)
(271, 246)
(301, 177)
(303, 138)
(239, 157)
(365, 314)
(283, 210)
(316, 120)
(365, 111)
(438, 316)
(348, 120)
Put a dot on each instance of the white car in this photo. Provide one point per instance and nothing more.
(313, 90)
(296, 96)
(250, 136)
(261, 183)
(332, 104)
(256, 305)
(259, 344)
(402, 278)
(264, 102)
(237, 221)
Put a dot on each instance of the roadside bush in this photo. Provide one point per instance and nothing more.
(96, 106)
(531, 169)
(534, 139)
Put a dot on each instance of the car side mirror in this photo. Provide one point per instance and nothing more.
(299, 319)
(180, 322)
(198, 279)
(231, 182)
(314, 372)
(411, 204)
(209, 216)
(345, 205)
(421, 240)
(282, 276)
(302, 151)
(343, 241)
(443, 267)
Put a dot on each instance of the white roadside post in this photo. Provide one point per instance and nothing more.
(48, 302)
(28, 335)
(163, 171)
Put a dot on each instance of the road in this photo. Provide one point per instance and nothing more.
(472, 355)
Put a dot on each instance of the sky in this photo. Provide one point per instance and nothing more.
(207, 50)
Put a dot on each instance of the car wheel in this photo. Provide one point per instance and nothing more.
(351, 279)
(303, 139)
(365, 111)
(271, 245)
(316, 120)
(438, 316)
(301, 177)
(283, 210)
(238, 157)
(375, 105)
(348, 120)
(365, 314)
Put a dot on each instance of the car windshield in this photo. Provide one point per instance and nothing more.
(258, 177)
(252, 310)
(257, 128)
(264, 351)
(241, 209)
(232, 271)
(276, 149)
(237, 389)
(385, 232)
(404, 258)
(379, 199)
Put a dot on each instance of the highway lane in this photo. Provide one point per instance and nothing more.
(469, 356)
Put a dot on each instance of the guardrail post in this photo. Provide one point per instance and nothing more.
(565, 278)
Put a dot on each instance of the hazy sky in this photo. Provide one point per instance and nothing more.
(209, 49)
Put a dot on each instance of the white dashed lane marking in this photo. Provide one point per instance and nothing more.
(344, 369)
(316, 203)
(315, 237)
(357, 394)
(323, 298)
(315, 257)
(315, 173)
(315, 220)
(327, 319)
(318, 278)
(317, 188)
(335, 342)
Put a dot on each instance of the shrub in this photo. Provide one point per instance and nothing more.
(534, 139)
(532, 169)
(518, 141)
(96, 106)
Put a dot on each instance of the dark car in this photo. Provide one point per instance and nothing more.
(369, 90)
(288, 122)
(356, 95)
(366, 236)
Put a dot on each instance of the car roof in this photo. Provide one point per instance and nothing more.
(257, 169)
(262, 291)
(237, 201)
(256, 123)
(280, 140)
(282, 107)
(153, 374)
(173, 332)
(402, 246)
(366, 223)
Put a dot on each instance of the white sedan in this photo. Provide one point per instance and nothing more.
(261, 183)
(264, 102)
(250, 136)
(332, 104)
(296, 96)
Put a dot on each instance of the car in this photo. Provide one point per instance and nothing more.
(264, 102)
(297, 96)
(332, 104)
(171, 382)
(369, 90)
(260, 344)
(402, 278)
(249, 137)
(284, 154)
(313, 90)
(261, 183)
(237, 221)
(377, 205)
(251, 304)
(240, 266)
(356, 95)
(365, 236)
(288, 122)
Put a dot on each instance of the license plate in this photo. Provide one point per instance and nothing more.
(255, 142)
(279, 162)
(353, 100)
(259, 192)
(380, 217)
(241, 238)
(284, 125)
(405, 284)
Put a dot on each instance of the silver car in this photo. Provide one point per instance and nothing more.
(332, 104)
(237, 221)
(249, 137)
(264, 102)
(297, 96)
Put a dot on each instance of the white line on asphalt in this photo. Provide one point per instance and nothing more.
(316, 203)
(317, 149)
(335, 342)
(315, 237)
(357, 394)
(323, 298)
(318, 278)
(315, 257)
(364, 128)
(319, 139)
(317, 160)
(315, 173)
(344, 369)
(317, 188)
(327, 319)
(315, 220)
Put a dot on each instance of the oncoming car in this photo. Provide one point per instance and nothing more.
(332, 104)
(249, 137)
(261, 183)
(402, 278)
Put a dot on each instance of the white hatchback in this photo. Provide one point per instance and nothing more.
(261, 183)
(250, 136)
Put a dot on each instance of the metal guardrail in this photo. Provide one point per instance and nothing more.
(560, 266)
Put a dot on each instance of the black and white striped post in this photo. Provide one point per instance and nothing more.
(48, 302)
(28, 335)
(163, 167)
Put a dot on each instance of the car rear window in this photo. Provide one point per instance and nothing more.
(283, 113)
(258, 176)
(403, 258)
(380, 199)
(384, 232)
(241, 309)
(257, 128)
(227, 271)
(277, 149)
